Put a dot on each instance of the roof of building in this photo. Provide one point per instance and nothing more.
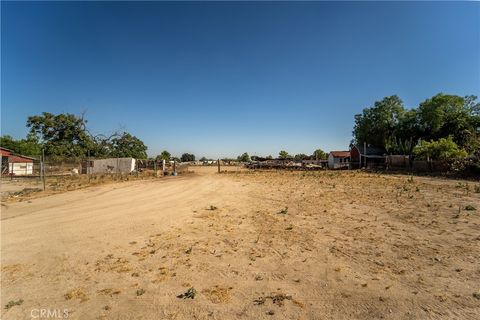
(19, 159)
(13, 157)
(371, 150)
(5, 151)
(340, 154)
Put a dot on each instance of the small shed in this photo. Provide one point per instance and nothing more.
(16, 164)
(338, 159)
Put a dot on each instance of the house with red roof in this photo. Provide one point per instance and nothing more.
(338, 159)
(15, 164)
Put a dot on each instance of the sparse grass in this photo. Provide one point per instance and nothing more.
(78, 293)
(13, 303)
(212, 208)
(140, 292)
(283, 211)
(277, 299)
(217, 294)
(470, 208)
(477, 188)
(189, 294)
(109, 291)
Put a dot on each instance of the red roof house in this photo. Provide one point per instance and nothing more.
(15, 164)
(338, 159)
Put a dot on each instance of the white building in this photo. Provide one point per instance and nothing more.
(338, 159)
(15, 164)
(20, 168)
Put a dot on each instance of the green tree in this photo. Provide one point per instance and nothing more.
(269, 157)
(444, 148)
(186, 157)
(284, 155)
(376, 125)
(244, 157)
(405, 135)
(62, 135)
(450, 115)
(203, 159)
(127, 145)
(319, 154)
(164, 155)
(66, 136)
(28, 147)
(301, 156)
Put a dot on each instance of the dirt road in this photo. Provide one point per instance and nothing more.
(268, 245)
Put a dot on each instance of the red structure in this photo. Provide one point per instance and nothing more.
(14, 163)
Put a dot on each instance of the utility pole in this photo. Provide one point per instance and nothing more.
(43, 169)
(365, 154)
(88, 165)
(218, 164)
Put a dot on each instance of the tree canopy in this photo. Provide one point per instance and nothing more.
(164, 155)
(62, 135)
(301, 156)
(376, 125)
(244, 157)
(27, 147)
(320, 154)
(66, 136)
(284, 155)
(186, 157)
(388, 124)
(444, 148)
(127, 145)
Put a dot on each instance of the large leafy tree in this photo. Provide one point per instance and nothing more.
(284, 155)
(444, 148)
(244, 157)
(376, 125)
(165, 155)
(387, 124)
(127, 145)
(186, 157)
(319, 154)
(450, 115)
(301, 156)
(28, 147)
(66, 136)
(62, 135)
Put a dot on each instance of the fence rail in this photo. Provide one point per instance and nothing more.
(115, 167)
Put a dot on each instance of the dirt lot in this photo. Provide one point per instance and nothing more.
(263, 245)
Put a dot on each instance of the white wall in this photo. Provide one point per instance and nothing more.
(20, 168)
(331, 161)
(334, 163)
(113, 165)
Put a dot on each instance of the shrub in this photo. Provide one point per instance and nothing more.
(442, 149)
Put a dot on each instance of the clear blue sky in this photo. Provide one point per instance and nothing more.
(220, 78)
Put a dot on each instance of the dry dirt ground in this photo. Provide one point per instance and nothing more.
(243, 245)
